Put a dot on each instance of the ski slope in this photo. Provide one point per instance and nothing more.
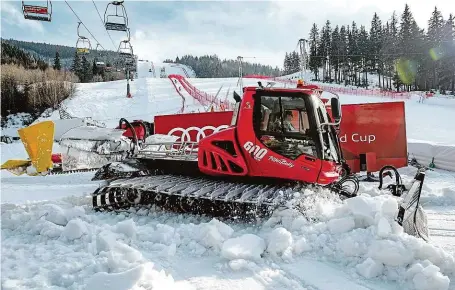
(51, 239)
(149, 69)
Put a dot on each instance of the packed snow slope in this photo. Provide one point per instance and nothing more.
(146, 68)
(52, 239)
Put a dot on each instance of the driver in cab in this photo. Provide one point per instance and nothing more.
(288, 127)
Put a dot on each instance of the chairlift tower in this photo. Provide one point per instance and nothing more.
(240, 81)
(303, 57)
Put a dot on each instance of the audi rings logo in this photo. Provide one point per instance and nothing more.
(201, 132)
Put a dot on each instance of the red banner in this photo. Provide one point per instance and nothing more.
(377, 130)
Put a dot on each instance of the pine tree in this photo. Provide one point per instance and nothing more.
(448, 45)
(286, 64)
(354, 53)
(375, 45)
(94, 68)
(295, 62)
(364, 51)
(86, 70)
(57, 65)
(407, 33)
(315, 61)
(435, 27)
(324, 51)
(335, 51)
(405, 46)
(343, 48)
(390, 49)
(76, 66)
(434, 36)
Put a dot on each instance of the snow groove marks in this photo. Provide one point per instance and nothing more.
(174, 81)
(441, 221)
(141, 96)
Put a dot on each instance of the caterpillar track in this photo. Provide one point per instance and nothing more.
(199, 195)
(59, 172)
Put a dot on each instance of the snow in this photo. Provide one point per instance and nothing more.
(247, 246)
(51, 238)
(370, 268)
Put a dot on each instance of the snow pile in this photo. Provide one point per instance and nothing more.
(65, 245)
(59, 246)
(247, 246)
(362, 234)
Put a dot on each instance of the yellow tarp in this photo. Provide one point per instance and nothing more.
(38, 140)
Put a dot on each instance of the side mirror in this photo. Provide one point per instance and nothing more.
(237, 98)
(336, 109)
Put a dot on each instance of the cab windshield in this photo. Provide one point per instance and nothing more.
(284, 125)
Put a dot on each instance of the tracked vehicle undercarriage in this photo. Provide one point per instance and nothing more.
(181, 187)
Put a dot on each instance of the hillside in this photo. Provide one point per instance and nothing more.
(205, 66)
(46, 52)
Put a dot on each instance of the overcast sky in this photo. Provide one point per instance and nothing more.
(166, 29)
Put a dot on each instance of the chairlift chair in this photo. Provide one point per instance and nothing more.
(37, 12)
(83, 45)
(98, 62)
(119, 21)
(125, 49)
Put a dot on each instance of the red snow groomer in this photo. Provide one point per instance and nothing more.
(250, 161)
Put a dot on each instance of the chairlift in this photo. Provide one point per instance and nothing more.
(83, 45)
(125, 49)
(98, 62)
(37, 12)
(119, 21)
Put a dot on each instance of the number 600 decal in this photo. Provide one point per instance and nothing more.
(257, 152)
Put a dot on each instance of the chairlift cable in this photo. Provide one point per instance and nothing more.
(83, 24)
(103, 24)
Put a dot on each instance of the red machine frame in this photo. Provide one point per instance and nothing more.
(366, 133)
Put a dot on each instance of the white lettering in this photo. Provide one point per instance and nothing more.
(281, 161)
(261, 153)
(353, 136)
(257, 152)
(365, 138)
(343, 138)
(248, 145)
